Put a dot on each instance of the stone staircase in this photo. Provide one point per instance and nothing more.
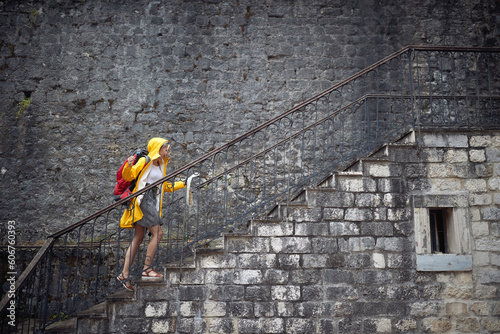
(339, 257)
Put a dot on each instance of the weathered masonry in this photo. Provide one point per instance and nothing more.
(360, 253)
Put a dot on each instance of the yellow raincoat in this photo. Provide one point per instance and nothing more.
(129, 173)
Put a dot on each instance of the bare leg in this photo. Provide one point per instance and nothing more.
(132, 249)
(156, 235)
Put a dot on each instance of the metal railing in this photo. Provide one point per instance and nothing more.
(412, 88)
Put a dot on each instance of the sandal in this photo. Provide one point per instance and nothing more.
(125, 282)
(151, 274)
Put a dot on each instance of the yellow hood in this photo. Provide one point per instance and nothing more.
(154, 147)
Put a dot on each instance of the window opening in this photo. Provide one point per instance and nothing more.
(438, 229)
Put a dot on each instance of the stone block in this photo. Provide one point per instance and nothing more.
(276, 276)
(241, 310)
(424, 309)
(489, 276)
(480, 141)
(480, 308)
(432, 154)
(357, 185)
(193, 277)
(311, 229)
(445, 185)
(367, 200)
(341, 293)
(445, 140)
(380, 213)
(495, 229)
(314, 260)
(332, 199)
(483, 170)
(217, 325)
(187, 309)
(475, 185)
(382, 325)
(219, 277)
(312, 292)
(334, 276)
(456, 308)
(394, 185)
(488, 244)
(160, 326)
(324, 245)
(291, 245)
(467, 325)
(342, 309)
(380, 170)
(343, 229)
(480, 229)
(282, 229)
(358, 261)
(285, 293)
(458, 292)
(493, 184)
(245, 277)
(288, 261)
(305, 215)
(285, 309)
(461, 170)
(129, 325)
(435, 324)
(355, 214)
(314, 309)
(218, 261)
(394, 244)
(394, 200)
(264, 309)
(248, 245)
(249, 326)
(485, 292)
(377, 229)
(257, 261)
(480, 199)
(477, 156)
(300, 325)
(374, 277)
(333, 214)
(361, 244)
(491, 213)
(400, 261)
(156, 309)
(491, 324)
(378, 260)
(188, 293)
(257, 293)
(492, 154)
(405, 325)
(456, 156)
(275, 325)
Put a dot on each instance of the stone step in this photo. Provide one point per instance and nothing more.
(94, 319)
(62, 327)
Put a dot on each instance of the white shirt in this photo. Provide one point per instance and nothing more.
(154, 174)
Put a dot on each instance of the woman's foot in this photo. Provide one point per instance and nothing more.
(125, 281)
(151, 274)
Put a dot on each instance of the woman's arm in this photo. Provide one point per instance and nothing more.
(129, 172)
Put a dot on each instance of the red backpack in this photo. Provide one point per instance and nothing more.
(124, 188)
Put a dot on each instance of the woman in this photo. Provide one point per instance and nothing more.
(145, 211)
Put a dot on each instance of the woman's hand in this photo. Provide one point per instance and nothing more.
(130, 160)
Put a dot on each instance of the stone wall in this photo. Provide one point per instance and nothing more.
(105, 76)
(343, 258)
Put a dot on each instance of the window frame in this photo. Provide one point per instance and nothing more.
(458, 256)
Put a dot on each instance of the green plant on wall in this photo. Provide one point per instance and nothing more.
(22, 106)
(33, 15)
